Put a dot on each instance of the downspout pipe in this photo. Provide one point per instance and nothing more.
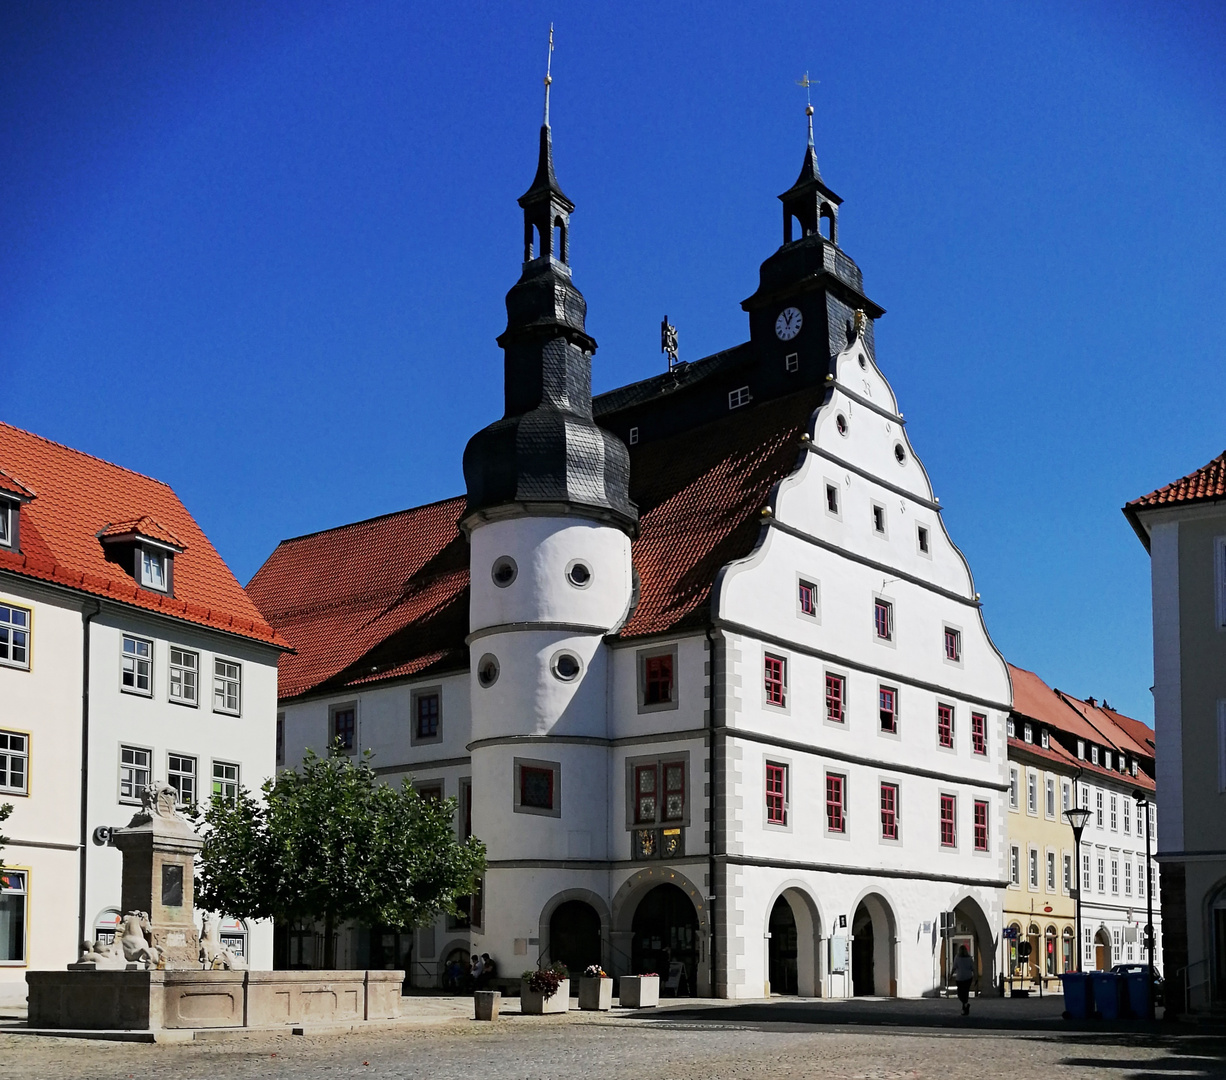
(87, 617)
(712, 757)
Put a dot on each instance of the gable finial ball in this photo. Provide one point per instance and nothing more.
(830, 378)
(808, 110)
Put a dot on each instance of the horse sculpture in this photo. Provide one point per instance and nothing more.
(136, 940)
(213, 954)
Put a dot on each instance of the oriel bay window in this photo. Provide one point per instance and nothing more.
(659, 809)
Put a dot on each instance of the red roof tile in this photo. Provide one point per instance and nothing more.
(143, 526)
(1206, 483)
(76, 497)
(388, 597)
(14, 486)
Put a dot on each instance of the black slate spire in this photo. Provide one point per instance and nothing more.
(547, 455)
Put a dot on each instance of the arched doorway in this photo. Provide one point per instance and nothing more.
(574, 937)
(665, 933)
(1034, 940)
(872, 949)
(1068, 954)
(782, 954)
(1102, 950)
(972, 930)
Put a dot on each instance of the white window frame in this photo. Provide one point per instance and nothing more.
(222, 680)
(1015, 866)
(1014, 785)
(1127, 877)
(1114, 813)
(1049, 797)
(150, 556)
(1066, 796)
(1068, 869)
(13, 629)
(181, 669)
(9, 754)
(136, 661)
(1032, 793)
(134, 798)
(1098, 808)
(739, 397)
(1051, 870)
(1032, 868)
(6, 523)
(214, 779)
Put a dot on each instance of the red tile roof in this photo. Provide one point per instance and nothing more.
(143, 526)
(1206, 484)
(14, 486)
(1035, 700)
(388, 597)
(374, 600)
(76, 497)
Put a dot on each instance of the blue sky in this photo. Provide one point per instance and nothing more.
(259, 250)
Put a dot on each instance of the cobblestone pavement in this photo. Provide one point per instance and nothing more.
(616, 1047)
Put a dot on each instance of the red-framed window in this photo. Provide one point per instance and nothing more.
(776, 794)
(945, 725)
(536, 787)
(949, 828)
(953, 644)
(674, 791)
(836, 697)
(807, 597)
(836, 790)
(658, 679)
(887, 705)
(979, 733)
(889, 811)
(646, 794)
(883, 619)
(776, 680)
(981, 825)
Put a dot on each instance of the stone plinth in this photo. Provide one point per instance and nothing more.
(155, 1000)
(159, 850)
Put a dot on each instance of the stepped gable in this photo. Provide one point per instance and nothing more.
(374, 600)
(74, 498)
(388, 598)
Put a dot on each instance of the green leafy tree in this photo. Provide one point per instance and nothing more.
(330, 842)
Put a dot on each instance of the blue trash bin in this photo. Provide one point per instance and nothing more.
(1108, 990)
(1137, 983)
(1078, 995)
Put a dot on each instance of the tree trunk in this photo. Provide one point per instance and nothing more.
(329, 942)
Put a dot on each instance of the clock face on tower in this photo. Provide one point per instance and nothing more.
(787, 326)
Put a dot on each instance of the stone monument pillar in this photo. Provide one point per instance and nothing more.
(159, 849)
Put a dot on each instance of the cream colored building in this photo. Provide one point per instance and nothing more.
(1064, 751)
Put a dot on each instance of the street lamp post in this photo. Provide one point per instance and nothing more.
(1143, 800)
(1077, 816)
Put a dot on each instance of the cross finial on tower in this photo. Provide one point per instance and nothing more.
(806, 82)
(548, 75)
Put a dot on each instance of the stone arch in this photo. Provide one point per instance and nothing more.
(626, 902)
(807, 917)
(877, 956)
(829, 216)
(586, 896)
(454, 945)
(968, 910)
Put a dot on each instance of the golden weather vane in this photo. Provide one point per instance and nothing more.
(807, 83)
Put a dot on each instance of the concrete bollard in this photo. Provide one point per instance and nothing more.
(486, 1004)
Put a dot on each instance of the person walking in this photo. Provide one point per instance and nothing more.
(964, 975)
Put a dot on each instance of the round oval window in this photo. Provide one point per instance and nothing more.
(487, 670)
(566, 666)
(900, 455)
(863, 362)
(504, 571)
(840, 422)
(579, 574)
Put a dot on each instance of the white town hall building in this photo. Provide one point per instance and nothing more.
(698, 657)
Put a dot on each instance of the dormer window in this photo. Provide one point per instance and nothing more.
(1027, 733)
(153, 569)
(1094, 755)
(1081, 749)
(1045, 739)
(146, 549)
(1107, 758)
(12, 495)
(7, 514)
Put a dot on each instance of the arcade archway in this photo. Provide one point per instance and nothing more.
(874, 935)
(574, 936)
(664, 935)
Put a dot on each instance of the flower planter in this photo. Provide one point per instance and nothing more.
(639, 991)
(596, 994)
(486, 1004)
(535, 1003)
